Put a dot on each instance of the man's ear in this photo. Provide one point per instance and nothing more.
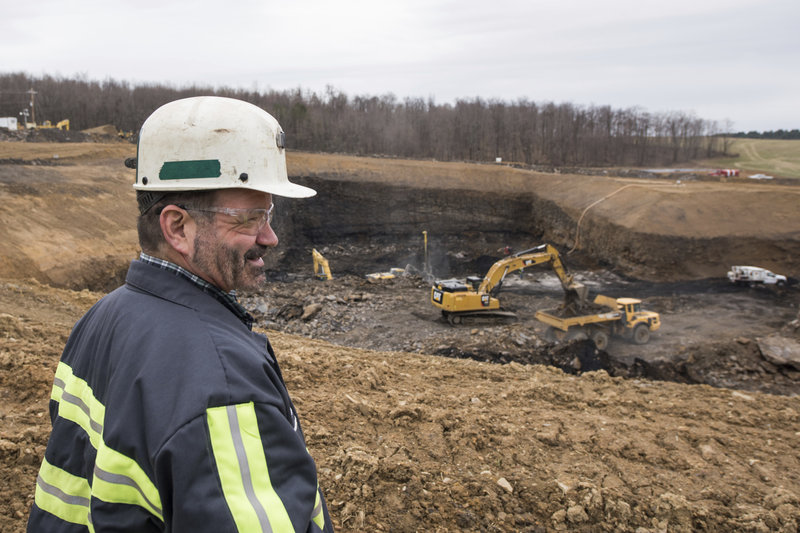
(178, 229)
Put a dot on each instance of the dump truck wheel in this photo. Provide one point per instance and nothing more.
(600, 339)
(641, 334)
(576, 334)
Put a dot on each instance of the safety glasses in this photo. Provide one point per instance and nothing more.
(247, 221)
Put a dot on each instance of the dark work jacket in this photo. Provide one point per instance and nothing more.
(169, 414)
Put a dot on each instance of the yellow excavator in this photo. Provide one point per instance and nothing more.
(575, 318)
(476, 297)
(47, 125)
(322, 270)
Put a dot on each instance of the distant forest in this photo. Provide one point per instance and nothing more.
(471, 129)
(777, 134)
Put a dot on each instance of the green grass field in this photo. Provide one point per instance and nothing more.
(780, 159)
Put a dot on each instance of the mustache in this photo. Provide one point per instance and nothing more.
(256, 251)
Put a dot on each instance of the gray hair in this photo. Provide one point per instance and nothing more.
(151, 238)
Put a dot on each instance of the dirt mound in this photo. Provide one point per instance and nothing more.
(108, 129)
(408, 442)
(106, 133)
(46, 135)
(488, 435)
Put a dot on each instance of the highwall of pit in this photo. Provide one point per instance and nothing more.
(364, 226)
(73, 224)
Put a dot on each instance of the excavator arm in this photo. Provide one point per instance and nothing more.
(456, 298)
(575, 292)
(322, 269)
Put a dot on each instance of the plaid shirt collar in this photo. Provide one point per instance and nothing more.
(228, 299)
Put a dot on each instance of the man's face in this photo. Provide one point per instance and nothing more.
(225, 255)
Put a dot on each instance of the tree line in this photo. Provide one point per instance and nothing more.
(777, 134)
(471, 129)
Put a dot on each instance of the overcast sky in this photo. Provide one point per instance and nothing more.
(721, 60)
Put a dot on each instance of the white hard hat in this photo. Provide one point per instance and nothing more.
(210, 142)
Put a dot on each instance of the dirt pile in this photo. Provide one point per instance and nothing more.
(406, 440)
(411, 442)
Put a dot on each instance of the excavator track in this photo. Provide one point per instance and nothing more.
(455, 319)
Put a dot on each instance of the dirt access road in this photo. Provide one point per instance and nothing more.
(409, 441)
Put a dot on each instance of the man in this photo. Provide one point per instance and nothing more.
(168, 412)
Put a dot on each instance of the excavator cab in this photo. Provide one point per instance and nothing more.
(474, 282)
(449, 285)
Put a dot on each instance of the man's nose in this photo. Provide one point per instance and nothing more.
(267, 236)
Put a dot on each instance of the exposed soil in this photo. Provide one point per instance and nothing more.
(417, 425)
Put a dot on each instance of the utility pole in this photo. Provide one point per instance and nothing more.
(33, 105)
(426, 267)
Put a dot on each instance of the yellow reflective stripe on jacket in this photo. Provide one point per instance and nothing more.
(120, 479)
(62, 494)
(76, 402)
(242, 465)
(318, 516)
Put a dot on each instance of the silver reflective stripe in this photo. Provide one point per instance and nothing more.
(80, 404)
(61, 495)
(119, 479)
(244, 470)
(317, 509)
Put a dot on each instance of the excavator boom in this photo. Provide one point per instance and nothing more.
(322, 269)
(477, 296)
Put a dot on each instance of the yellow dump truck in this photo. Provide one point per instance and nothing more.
(622, 317)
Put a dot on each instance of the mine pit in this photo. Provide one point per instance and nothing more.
(416, 424)
(440, 221)
(712, 330)
(712, 333)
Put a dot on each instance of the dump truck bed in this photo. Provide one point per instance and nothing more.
(551, 318)
(602, 309)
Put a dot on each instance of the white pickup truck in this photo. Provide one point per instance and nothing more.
(750, 275)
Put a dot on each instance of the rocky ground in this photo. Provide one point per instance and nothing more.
(712, 333)
(417, 425)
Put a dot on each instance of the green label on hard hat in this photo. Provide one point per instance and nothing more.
(187, 170)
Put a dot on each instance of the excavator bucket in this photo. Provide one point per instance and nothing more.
(575, 295)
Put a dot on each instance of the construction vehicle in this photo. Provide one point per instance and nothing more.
(390, 274)
(322, 269)
(47, 125)
(623, 317)
(477, 296)
(752, 276)
(725, 172)
(574, 318)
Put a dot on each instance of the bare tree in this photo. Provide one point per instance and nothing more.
(472, 129)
